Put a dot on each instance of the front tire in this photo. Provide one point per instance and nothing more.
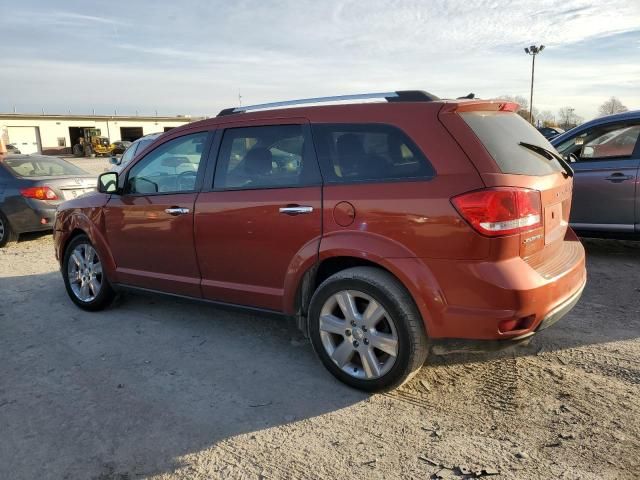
(365, 328)
(84, 277)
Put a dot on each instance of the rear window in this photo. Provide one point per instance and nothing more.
(41, 167)
(501, 133)
(368, 153)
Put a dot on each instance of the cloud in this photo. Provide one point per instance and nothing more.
(194, 56)
(58, 18)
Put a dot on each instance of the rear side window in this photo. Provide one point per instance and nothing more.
(41, 167)
(274, 156)
(368, 152)
(501, 134)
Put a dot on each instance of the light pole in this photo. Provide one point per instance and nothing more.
(533, 51)
(569, 117)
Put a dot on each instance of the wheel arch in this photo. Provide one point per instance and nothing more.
(81, 225)
(417, 283)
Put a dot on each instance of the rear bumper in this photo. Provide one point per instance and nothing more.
(28, 216)
(506, 299)
(448, 346)
(562, 309)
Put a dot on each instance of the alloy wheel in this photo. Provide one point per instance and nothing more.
(358, 334)
(84, 271)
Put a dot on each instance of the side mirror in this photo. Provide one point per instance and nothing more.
(108, 182)
(115, 160)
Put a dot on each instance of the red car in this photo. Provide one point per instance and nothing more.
(384, 227)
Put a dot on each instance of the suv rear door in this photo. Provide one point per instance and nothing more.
(259, 219)
(492, 135)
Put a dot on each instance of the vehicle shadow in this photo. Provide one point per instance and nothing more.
(130, 390)
(133, 388)
(31, 236)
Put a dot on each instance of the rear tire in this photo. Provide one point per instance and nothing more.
(380, 342)
(84, 277)
(6, 233)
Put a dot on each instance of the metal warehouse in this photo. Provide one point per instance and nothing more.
(57, 134)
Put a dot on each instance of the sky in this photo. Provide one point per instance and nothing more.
(196, 57)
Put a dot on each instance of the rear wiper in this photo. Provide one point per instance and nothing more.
(549, 155)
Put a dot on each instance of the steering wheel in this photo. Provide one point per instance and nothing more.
(184, 177)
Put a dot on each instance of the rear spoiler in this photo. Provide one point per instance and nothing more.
(480, 105)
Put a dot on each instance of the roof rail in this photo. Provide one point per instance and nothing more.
(399, 96)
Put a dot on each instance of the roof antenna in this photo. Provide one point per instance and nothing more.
(239, 98)
(469, 96)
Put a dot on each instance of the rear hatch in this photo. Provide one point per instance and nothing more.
(511, 155)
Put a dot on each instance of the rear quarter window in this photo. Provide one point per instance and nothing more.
(41, 167)
(368, 153)
(501, 134)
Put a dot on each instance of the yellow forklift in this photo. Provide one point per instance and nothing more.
(93, 143)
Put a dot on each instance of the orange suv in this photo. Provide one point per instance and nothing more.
(384, 226)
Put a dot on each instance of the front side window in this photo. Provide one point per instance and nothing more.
(368, 152)
(170, 168)
(613, 141)
(128, 154)
(265, 157)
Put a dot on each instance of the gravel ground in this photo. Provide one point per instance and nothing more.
(94, 165)
(167, 389)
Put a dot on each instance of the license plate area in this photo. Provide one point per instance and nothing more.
(554, 225)
(70, 194)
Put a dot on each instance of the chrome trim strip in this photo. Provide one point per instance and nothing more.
(302, 101)
(605, 227)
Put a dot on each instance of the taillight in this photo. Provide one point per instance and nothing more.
(39, 193)
(500, 211)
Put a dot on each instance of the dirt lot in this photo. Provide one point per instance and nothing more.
(161, 388)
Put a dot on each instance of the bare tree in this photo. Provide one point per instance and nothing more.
(523, 109)
(547, 118)
(567, 118)
(611, 106)
(519, 99)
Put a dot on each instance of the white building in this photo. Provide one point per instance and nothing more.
(56, 134)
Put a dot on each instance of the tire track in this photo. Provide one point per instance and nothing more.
(499, 385)
(295, 467)
(620, 368)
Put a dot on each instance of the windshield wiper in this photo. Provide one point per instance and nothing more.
(549, 155)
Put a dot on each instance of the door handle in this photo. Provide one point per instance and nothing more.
(296, 209)
(175, 211)
(618, 177)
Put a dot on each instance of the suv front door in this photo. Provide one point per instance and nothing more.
(606, 175)
(150, 226)
(262, 218)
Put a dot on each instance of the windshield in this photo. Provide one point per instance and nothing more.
(41, 167)
(502, 132)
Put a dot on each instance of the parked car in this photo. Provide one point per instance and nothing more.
(606, 158)
(13, 149)
(32, 187)
(120, 146)
(550, 132)
(383, 228)
(135, 147)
